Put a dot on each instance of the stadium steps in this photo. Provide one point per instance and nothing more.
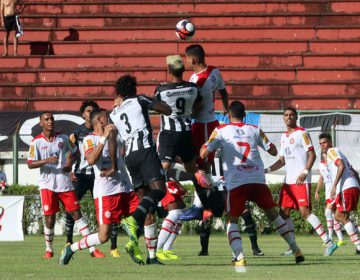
(272, 53)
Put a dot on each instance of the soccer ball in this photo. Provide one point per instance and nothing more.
(185, 29)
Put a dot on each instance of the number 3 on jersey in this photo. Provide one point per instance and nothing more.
(246, 152)
(126, 118)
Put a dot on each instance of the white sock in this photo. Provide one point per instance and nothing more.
(88, 241)
(316, 224)
(49, 237)
(84, 230)
(235, 241)
(329, 222)
(290, 226)
(337, 229)
(351, 231)
(197, 201)
(167, 228)
(151, 238)
(356, 226)
(171, 239)
(281, 228)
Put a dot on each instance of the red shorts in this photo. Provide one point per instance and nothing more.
(173, 193)
(50, 201)
(294, 196)
(347, 200)
(200, 134)
(258, 193)
(112, 208)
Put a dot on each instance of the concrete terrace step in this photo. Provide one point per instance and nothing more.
(160, 75)
(207, 33)
(168, 19)
(93, 7)
(149, 61)
(167, 47)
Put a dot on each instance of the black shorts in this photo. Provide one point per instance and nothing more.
(172, 144)
(12, 23)
(144, 167)
(83, 184)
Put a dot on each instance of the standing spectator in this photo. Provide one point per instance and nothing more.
(3, 180)
(10, 21)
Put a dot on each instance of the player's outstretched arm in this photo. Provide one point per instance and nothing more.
(161, 107)
(277, 165)
(224, 99)
(22, 6)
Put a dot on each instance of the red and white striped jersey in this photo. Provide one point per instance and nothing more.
(208, 81)
(239, 143)
(348, 179)
(52, 176)
(325, 173)
(104, 186)
(294, 148)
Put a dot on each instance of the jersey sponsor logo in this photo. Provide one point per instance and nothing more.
(32, 151)
(287, 151)
(107, 214)
(333, 153)
(306, 139)
(46, 207)
(292, 140)
(248, 168)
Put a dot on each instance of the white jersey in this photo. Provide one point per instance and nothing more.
(324, 171)
(208, 81)
(132, 121)
(239, 143)
(294, 148)
(105, 186)
(348, 179)
(52, 176)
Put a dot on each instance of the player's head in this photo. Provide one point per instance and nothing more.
(325, 142)
(175, 65)
(195, 54)
(47, 121)
(290, 116)
(237, 110)
(126, 86)
(87, 107)
(98, 118)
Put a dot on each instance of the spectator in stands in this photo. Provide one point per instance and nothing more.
(3, 180)
(10, 21)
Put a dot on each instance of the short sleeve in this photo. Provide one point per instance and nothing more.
(214, 141)
(89, 145)
(263, 141)
(306, 141)
(221, 83)
(146, 101)
(33, 153)
(333, 155)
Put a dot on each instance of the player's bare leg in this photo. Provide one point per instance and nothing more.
(6, 43)
(15, 44)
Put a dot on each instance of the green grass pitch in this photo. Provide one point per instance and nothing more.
(22, 260)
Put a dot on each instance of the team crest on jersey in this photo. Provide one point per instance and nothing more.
(32, 151)
(61, 145)
(292, 140)
(90, 144)
(213, 135)
(306, 139)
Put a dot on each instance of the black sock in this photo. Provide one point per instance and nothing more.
(250, 228)
(114, 234)
(204, 238)
(69, 228)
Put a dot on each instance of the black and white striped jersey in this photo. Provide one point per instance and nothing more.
(180, 97)
(81, 165)
(132, 121)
